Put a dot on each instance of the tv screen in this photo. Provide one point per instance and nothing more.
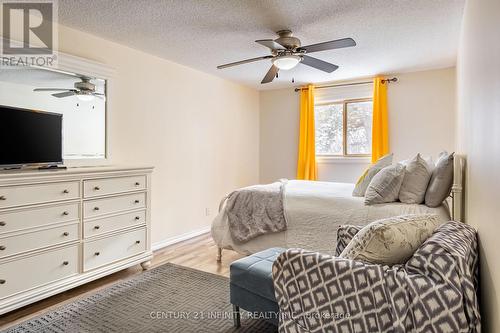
(29, 137)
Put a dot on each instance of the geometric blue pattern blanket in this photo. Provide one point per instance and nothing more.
(434, 291)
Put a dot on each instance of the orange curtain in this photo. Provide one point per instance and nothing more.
(306, 166)
(380, 129)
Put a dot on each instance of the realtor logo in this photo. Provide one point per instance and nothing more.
(29, 33)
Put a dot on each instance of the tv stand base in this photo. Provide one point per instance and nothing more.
(52, 167)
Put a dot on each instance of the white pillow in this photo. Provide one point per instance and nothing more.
(391, 241)
(385, 185)
(415, 181)
(428, 160)
(367, 176)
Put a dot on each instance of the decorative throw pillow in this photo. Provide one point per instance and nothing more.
(428, 160)
(391, 241)
(441, 181)
(345, 233)
(415, 181)
(385, 185)
(367, 176)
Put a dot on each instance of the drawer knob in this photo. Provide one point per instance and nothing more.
(96, 208)
(66, 191)
(136, 201)
(97, 253)
(2, 223)
(137, 183)
(2, 281)
(66, 213)
(2, 198)
(65, 233)
(65, 263)
(138, 242)
(2, 248)
(137, 218)
(97, 188)
(96, 227)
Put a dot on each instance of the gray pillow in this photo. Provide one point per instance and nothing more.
(415, 181)
(441, 181)
(367, 176)
(385, 186)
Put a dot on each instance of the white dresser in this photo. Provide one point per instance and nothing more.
(61, 229)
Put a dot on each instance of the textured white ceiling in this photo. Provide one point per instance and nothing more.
(392, 35)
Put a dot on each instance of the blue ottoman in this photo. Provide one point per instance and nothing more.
(251, 286)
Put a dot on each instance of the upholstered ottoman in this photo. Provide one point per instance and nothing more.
(252, 287)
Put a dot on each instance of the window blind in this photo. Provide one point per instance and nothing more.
(333, 94)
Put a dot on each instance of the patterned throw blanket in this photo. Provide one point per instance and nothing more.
(256, 210)
(435, 291)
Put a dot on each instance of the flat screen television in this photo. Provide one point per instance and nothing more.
(30, 138)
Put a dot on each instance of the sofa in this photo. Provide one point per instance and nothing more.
(434, 291)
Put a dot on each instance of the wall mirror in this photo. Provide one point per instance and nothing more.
(84, 116)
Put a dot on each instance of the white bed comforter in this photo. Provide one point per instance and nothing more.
(313, 211)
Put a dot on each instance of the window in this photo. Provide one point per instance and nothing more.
(344, 128)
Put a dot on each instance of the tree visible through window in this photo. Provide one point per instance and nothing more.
(344, 128)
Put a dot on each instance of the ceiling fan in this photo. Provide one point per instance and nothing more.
(287, 52)
(84, 90)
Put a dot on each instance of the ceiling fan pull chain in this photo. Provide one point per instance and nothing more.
(276, 75)
(293, 80)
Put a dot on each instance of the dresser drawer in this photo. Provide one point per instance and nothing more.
(38, 239)
(35, 271)
(98, 207)
(39, 216)
(104, 251)
(20, 195)
(103, 225)
(98, 187)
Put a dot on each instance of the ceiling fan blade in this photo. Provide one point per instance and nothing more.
(236, 63)
(64, 94)
(271, 74)
(334, 44)
(270, 44)
(319, 64)
(50, 89)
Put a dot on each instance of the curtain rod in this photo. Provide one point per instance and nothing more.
(394, 79)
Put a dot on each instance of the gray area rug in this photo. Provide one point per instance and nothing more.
(169, 298)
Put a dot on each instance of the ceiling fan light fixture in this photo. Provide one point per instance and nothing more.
(85, 97)
(286, 62)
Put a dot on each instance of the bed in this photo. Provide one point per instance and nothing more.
(314, 210)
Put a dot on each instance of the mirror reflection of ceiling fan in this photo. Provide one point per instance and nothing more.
(287, 52)
(84, 90)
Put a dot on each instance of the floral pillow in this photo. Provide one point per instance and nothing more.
(391, 241)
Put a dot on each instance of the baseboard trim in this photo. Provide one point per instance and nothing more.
(177, 239)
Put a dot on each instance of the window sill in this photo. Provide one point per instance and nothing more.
(325, 159)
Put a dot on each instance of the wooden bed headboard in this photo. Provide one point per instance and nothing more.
(458, 189)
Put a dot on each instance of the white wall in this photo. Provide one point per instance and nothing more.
(422, 113)
(200, 132)
(478, 136)
(421, 119)
(279, 127)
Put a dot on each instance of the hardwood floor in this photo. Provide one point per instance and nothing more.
(198, 253)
